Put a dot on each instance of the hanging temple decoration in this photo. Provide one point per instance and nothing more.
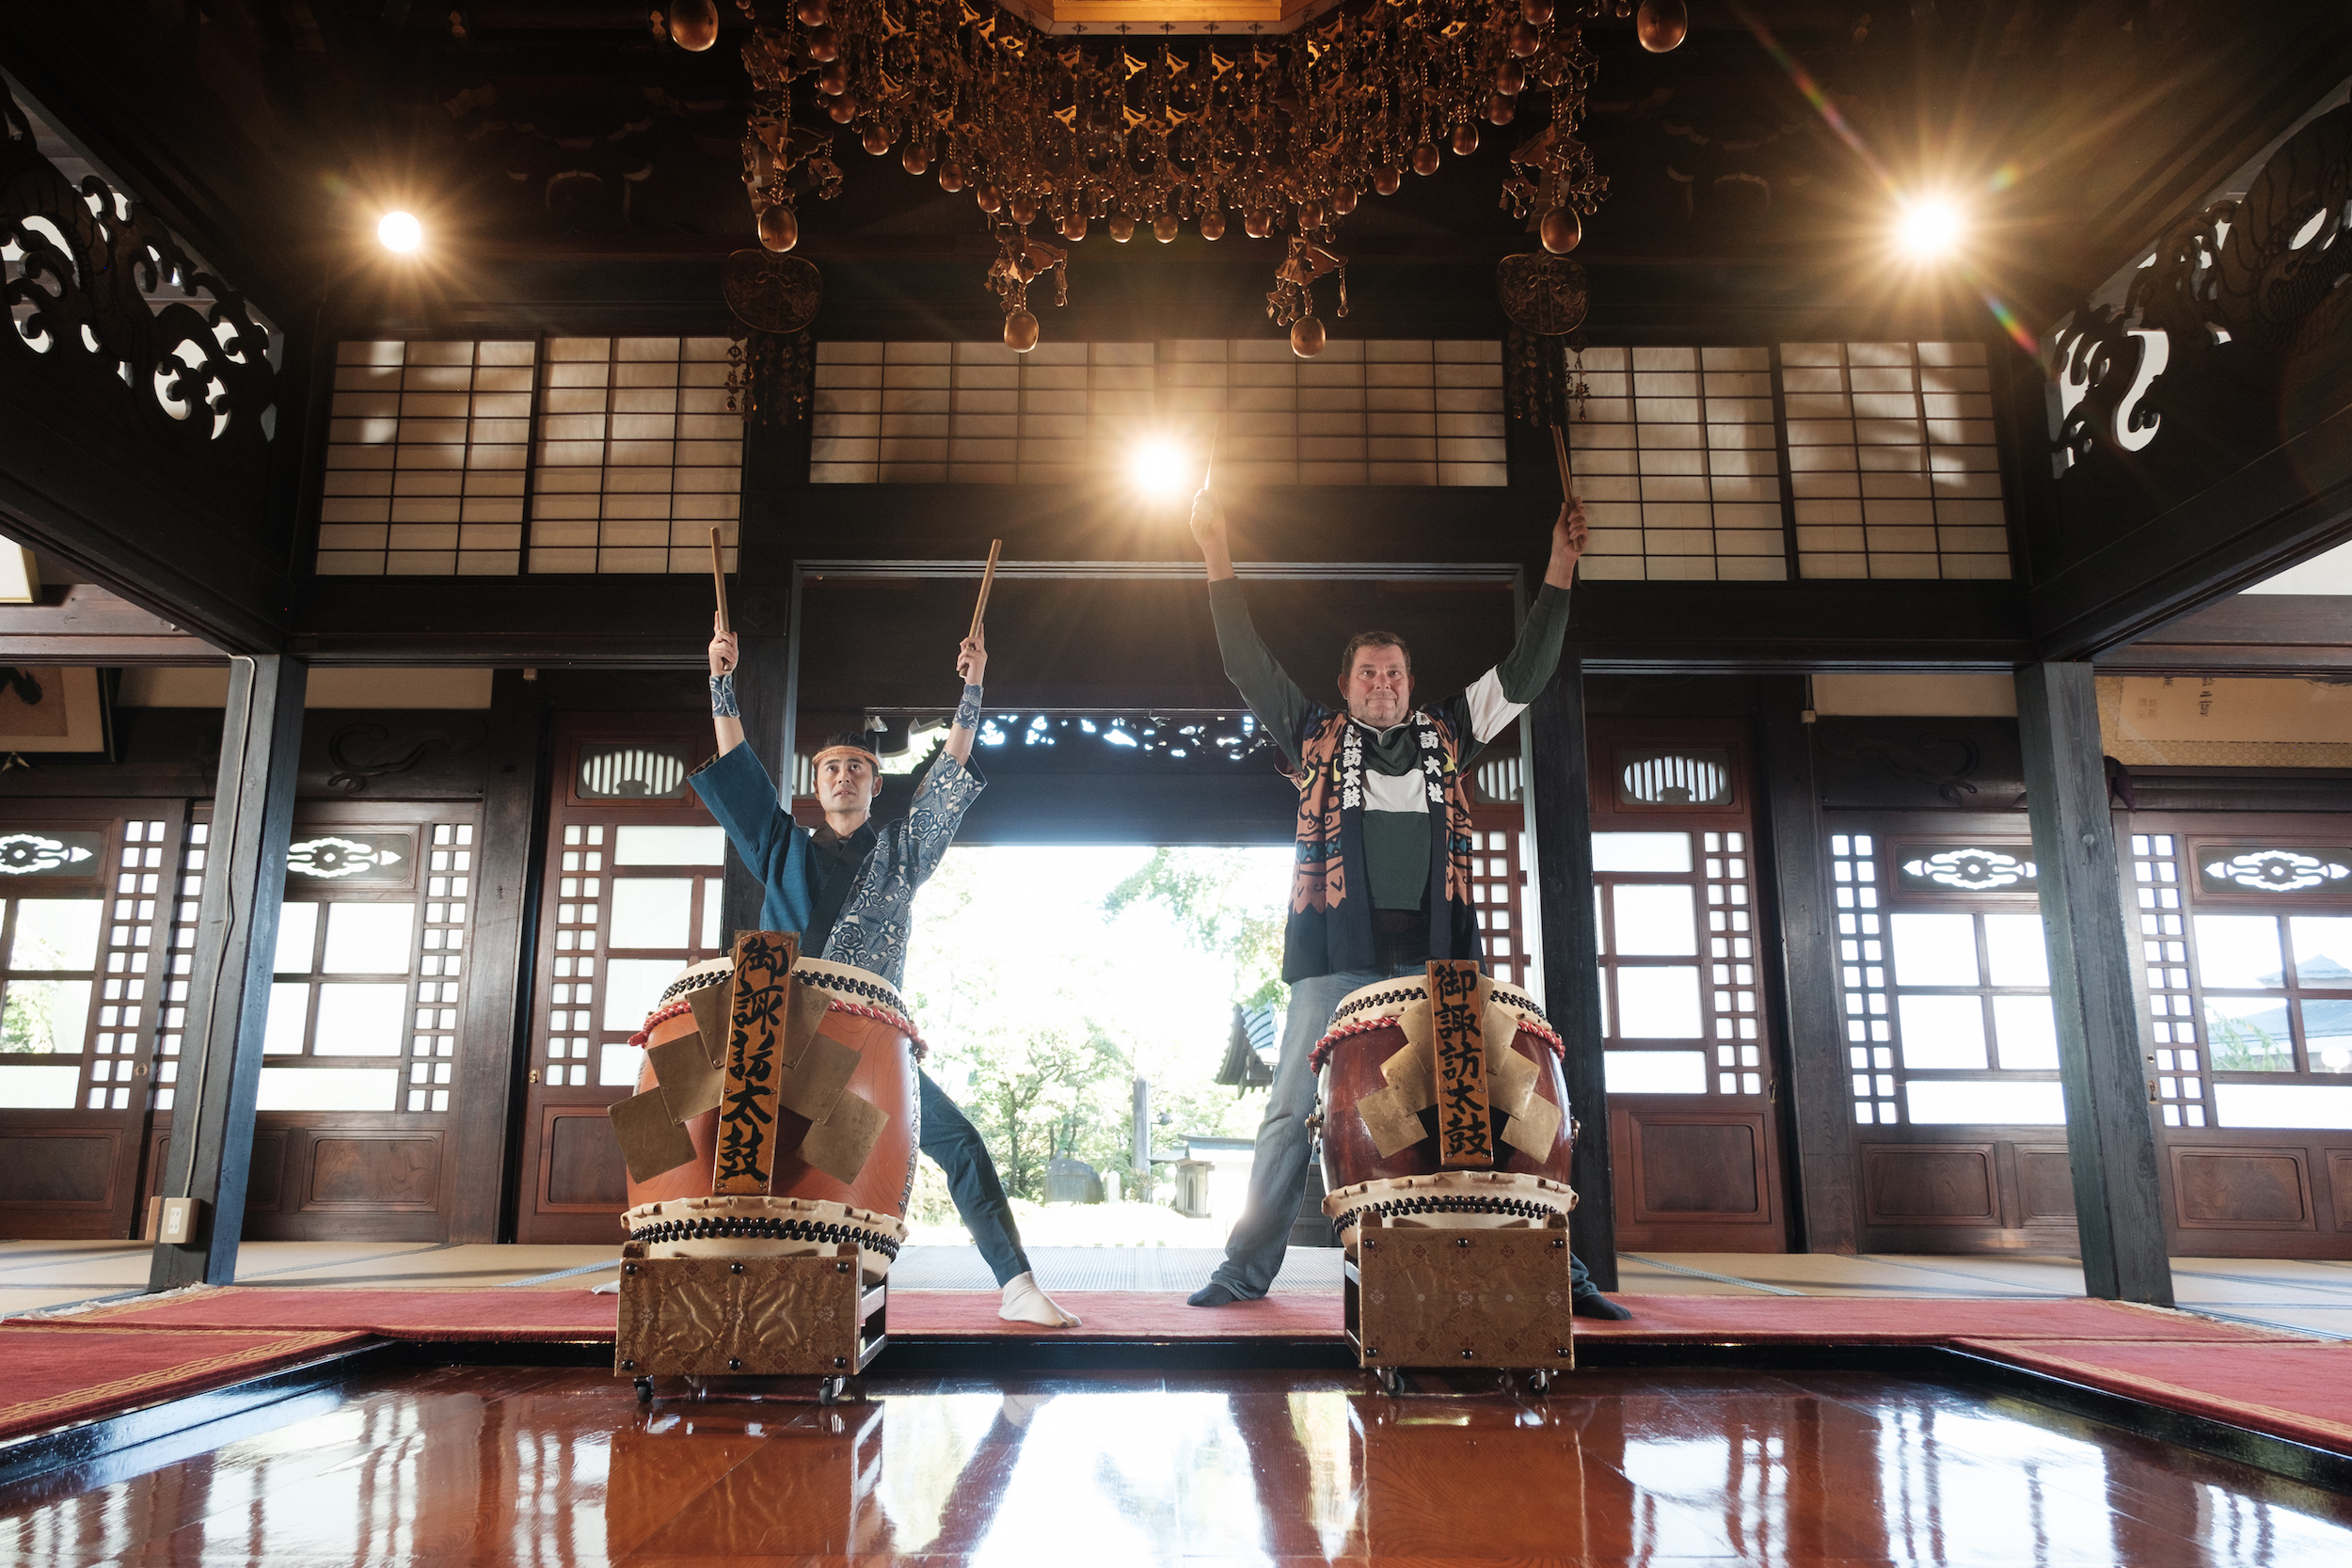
(1053, 135)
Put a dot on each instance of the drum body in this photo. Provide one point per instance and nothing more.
(1525, 1186)
(676, 1216)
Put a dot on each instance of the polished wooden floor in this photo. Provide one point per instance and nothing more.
(495, 1466)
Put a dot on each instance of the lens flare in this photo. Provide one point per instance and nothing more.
(1161, 469)
(401, 232)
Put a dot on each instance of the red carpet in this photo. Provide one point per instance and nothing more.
(476, 1314)
(57, 1375)
(2298, 1389)
(1859, 1321)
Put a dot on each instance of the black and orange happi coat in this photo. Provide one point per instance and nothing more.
(1330, 927)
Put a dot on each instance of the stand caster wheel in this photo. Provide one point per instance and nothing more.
(645, 1390)
(1392, 1381)
(829, 1390)
(1540, 1380)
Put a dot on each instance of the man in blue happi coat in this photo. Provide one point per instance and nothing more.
(849, 890)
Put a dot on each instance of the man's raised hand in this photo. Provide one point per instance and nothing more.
(725, 654)
(1569, 538)
(1208, 531)
(972, 658)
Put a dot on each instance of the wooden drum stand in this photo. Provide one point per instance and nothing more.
(1446, 1145)
(767, 1175)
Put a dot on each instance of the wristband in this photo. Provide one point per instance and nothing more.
(723, 697)
(968, 711)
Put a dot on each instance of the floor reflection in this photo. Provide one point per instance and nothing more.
(489, 1465)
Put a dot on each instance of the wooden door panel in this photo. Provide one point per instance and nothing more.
(1699, 1169)
(2045, 1184)
(573, 1185)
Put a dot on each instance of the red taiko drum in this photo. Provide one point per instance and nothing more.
(675, 1214)
(1379, 1093)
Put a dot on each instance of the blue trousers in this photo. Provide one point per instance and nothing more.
(1277, 1179)
(949, 1138)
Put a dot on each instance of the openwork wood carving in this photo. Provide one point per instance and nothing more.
(2234, 281)
(197, 375)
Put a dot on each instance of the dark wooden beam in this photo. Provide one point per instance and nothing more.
(2245, 634)
(236, 946)
(1154, 610)
(1820, 1103)
(2094, 992)
(83, 623)
(123, 518)
(507, 862)
(2242, 523)
(1559, 816)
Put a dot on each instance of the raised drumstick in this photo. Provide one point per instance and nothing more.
(1560, 451)
(987, 577)
(719, 581)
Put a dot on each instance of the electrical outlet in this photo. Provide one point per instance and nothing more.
(181, 1217)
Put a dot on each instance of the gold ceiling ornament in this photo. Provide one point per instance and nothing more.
(1286, 133)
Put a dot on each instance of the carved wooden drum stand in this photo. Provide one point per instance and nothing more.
(767, 1175)
(1446, 1141)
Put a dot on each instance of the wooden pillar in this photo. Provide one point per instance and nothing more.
(1819, 1084)
(766, 591)
(505, 926)
(236, 948)
(1560, 819)
(2110, 1145)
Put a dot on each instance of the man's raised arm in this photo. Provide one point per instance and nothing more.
(1497, 696)
(1268, 689)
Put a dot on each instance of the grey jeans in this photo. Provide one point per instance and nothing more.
(1278, 1180)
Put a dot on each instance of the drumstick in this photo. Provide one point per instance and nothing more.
(1560, 451)
(987, 577)
(1209, 468)
(719, 581)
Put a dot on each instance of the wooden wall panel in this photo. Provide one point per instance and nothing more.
(2223, 1188)
(73, 1168)
(373, 1171)
(1699, 1180)
(2045, 1184)
(1929, 1184)
(2339, 1187)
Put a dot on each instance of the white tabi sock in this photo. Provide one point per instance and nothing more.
(1025, 1304)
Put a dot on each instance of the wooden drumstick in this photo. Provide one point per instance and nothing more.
(1560, 451)
(987, 577)
(1209, 469)
(719, 581)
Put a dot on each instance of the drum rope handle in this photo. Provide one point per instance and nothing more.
(832, 1003)
(1329, 1042)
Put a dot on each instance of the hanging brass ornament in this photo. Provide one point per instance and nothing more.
(695, 24)
(1661, 24)
(1542, 294)
(771, 293)
(1287, 132)
(1561, 231)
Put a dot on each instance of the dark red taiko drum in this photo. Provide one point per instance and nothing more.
(676, 1216)
(1378, 1092)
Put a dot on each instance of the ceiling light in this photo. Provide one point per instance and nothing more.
(1160, 469)
(401, 232)
(1928, 229)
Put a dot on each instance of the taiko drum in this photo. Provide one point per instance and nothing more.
(676, 1212)
(1410, 1184)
